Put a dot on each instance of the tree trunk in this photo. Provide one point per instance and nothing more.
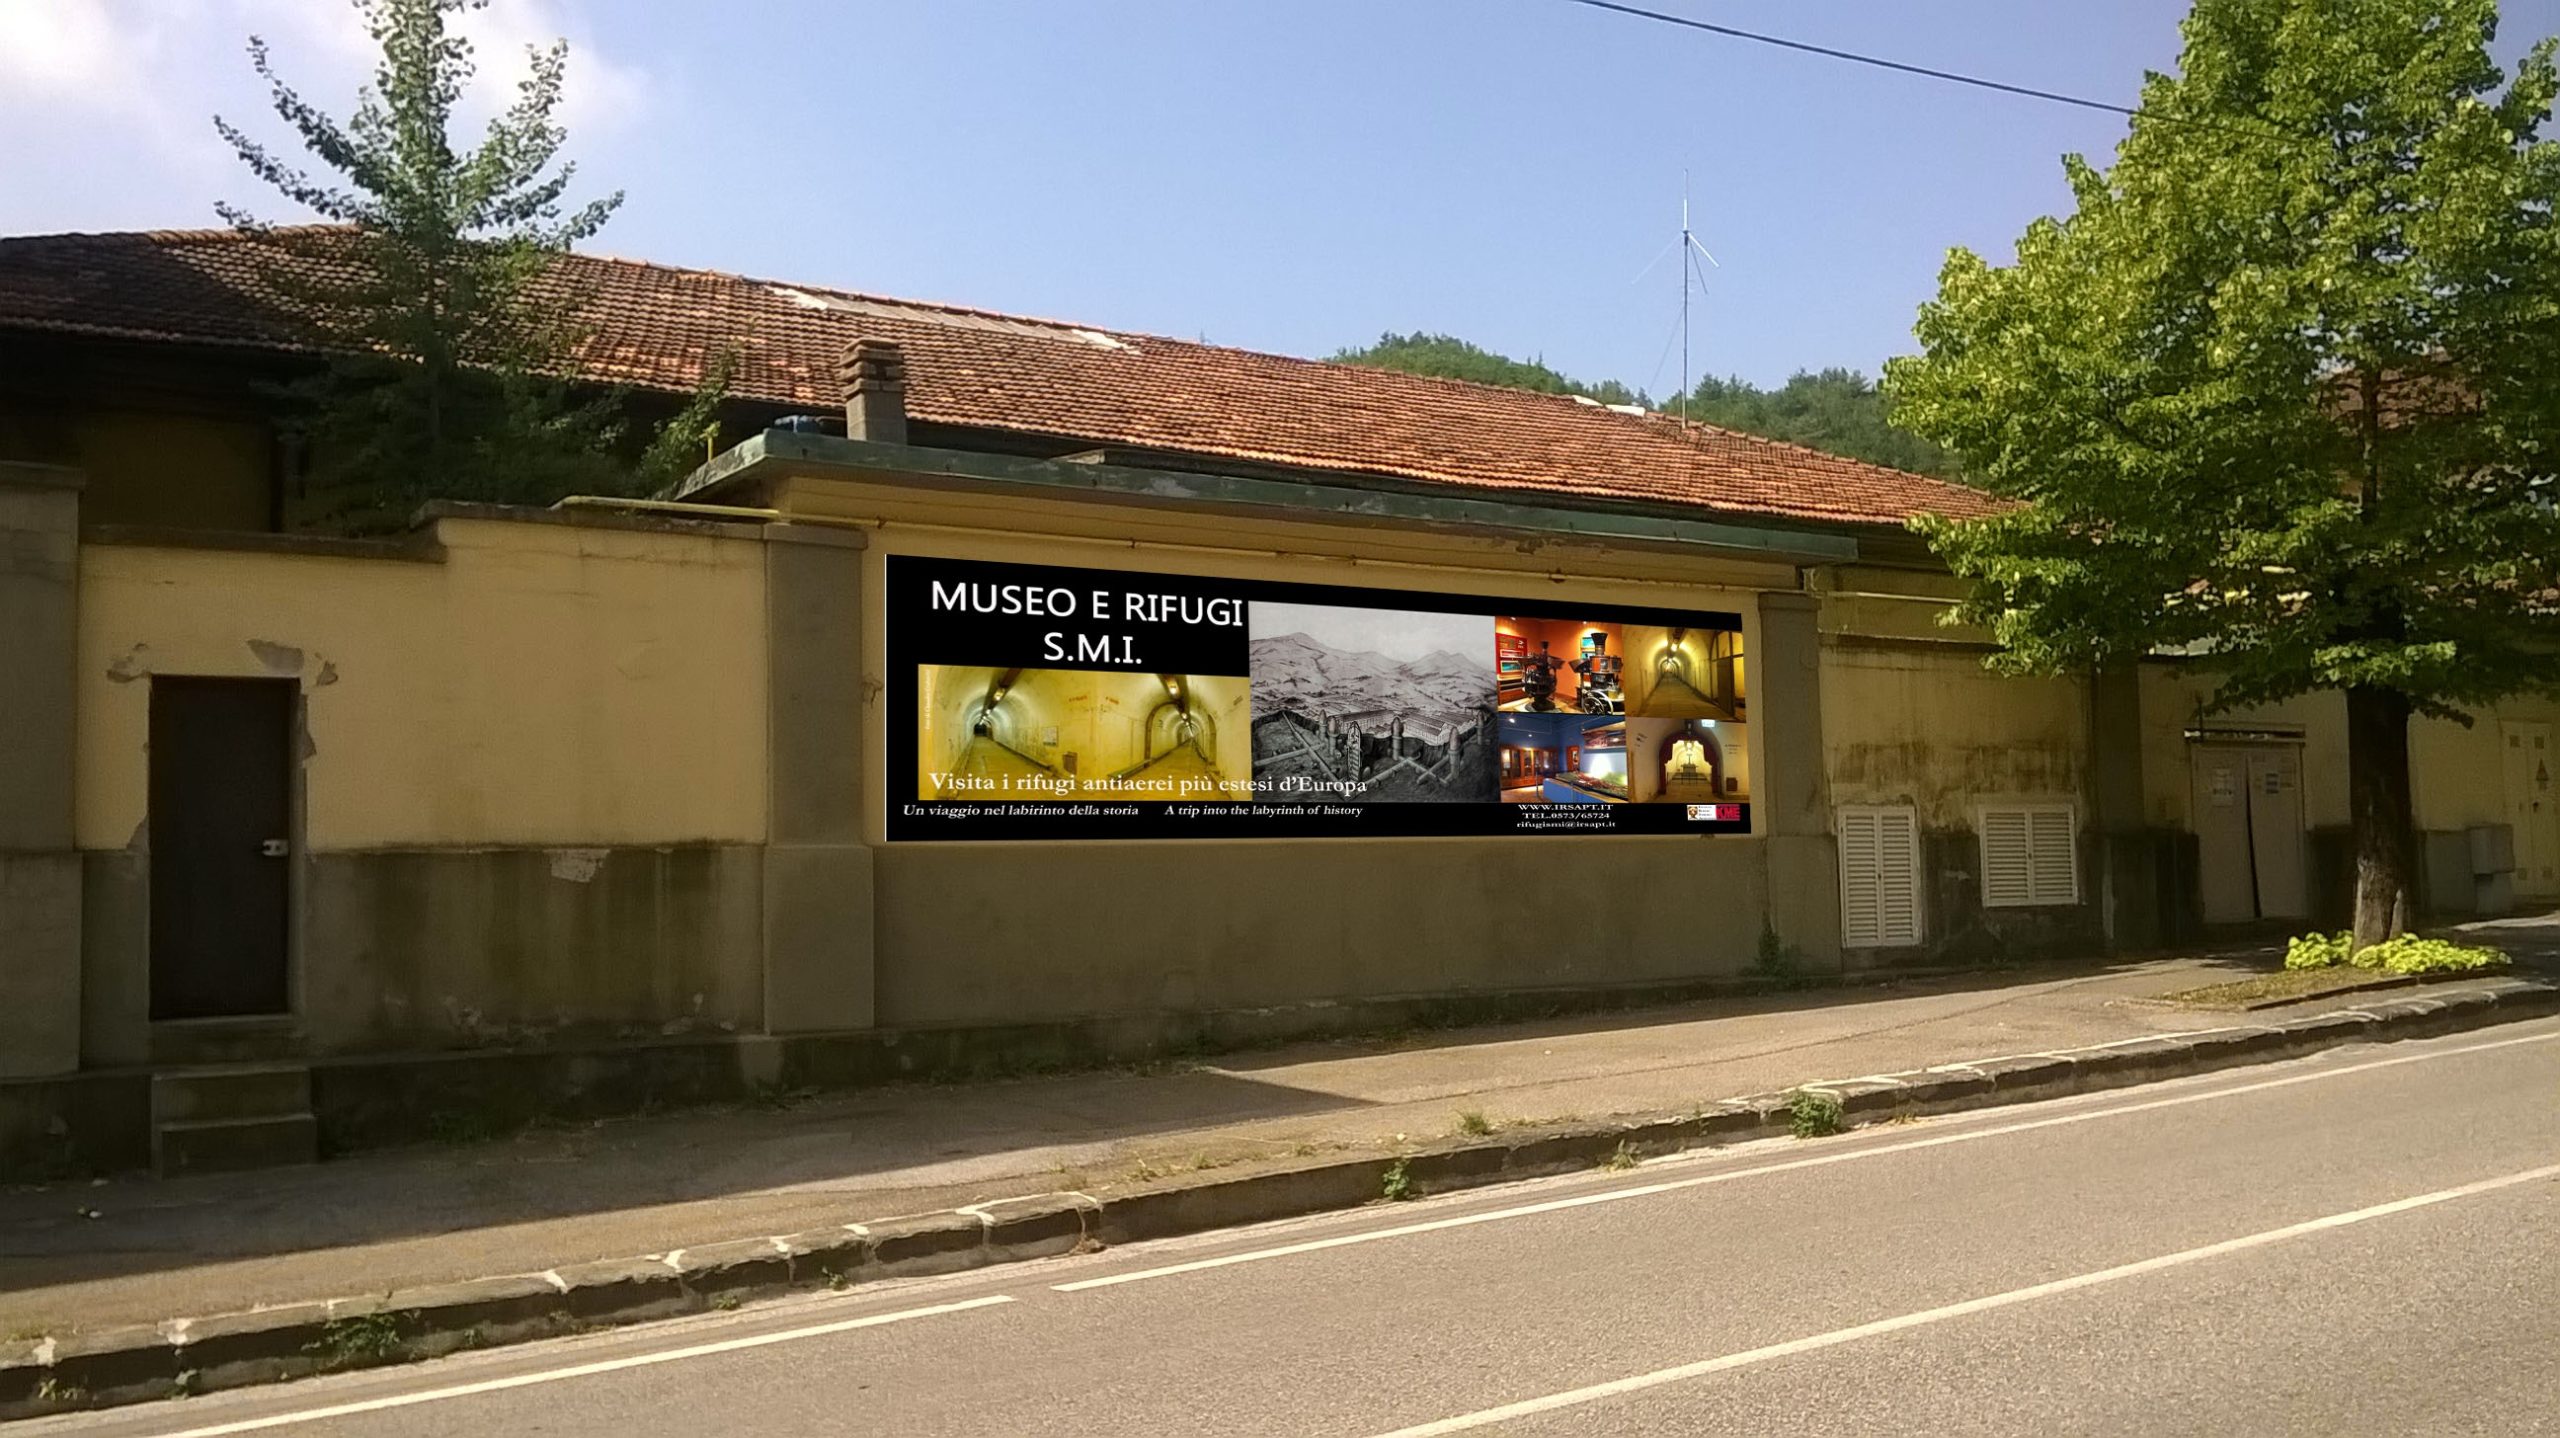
(2378, 802)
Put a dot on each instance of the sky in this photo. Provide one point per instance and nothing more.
(1294, 177)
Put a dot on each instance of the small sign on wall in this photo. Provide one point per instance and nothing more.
(2222, 787)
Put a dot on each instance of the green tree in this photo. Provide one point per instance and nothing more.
(2283, 391)
(434, 287)
(1838, 411)
(1447, 357)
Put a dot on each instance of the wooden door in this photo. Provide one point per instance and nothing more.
(221, 776)
(2533, 805)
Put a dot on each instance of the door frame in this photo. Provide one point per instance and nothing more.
(2525, 883)
(296, 862)
(2243, 745)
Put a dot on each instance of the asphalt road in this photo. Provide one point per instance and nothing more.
(2364, 1242)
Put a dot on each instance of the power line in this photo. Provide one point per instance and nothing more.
(1732, 33)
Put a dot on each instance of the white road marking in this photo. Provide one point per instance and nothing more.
(581, 1370)
(1648, 1190)
(1618, 1387)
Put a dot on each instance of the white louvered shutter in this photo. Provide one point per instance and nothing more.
(2053, 852)
(2008, 878)
(1879, 877)
(2030, 855)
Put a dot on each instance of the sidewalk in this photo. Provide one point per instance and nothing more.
(83, 1256)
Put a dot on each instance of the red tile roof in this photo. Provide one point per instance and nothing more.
(656, 327)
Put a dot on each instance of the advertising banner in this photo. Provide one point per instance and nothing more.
(1045, 702)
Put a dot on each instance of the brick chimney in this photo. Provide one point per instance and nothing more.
(875, 391)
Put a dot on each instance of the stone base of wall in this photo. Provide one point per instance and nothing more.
(78, 1124)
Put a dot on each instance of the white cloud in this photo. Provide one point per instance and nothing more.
(106, 106)
(54, 49)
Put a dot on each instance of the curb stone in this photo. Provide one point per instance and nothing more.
(231, 1350)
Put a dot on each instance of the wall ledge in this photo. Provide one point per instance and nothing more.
(415, 547)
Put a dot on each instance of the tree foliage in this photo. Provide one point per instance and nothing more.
(434, 286)
(1448, 357)
(2283, 391)
(1839, 411)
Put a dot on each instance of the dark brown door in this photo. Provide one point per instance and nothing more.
(221, 811)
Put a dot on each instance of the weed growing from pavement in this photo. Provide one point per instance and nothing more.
(54, 1390)
(358, 1341)
(1814, 1115)
(1622, 1159)
(725, 1302)
(1474, 1124)
(1779, 962)
(1397, 1184)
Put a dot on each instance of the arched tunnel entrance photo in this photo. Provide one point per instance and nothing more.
(1060, 732)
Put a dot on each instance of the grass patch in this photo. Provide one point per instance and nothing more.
(2290, 986)
(1624, 1158)
(1474, 1124)
(1815, 1115)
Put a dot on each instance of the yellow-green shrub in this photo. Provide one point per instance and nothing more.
(2318, 951)
(2407, 954)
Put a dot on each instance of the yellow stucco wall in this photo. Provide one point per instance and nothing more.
(1907, 724)
(545, 684)
(2459, 774)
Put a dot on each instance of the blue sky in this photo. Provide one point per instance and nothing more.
(1285, 176)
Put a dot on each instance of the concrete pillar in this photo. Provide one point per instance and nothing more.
(1791, 794)
(2126, 853)
(818, 930)
(39, 865)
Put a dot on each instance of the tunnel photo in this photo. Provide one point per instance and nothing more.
(1684, 673)
(1014, 734)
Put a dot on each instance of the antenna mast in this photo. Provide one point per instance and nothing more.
(1689, 250)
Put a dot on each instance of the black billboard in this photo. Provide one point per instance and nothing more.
(1047, 702)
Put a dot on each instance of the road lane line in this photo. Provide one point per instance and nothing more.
(581, 1370)
(1649, 1190)
(1574, 1398)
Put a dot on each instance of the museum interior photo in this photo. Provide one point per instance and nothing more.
(1563, 759)
(1558, 666)
(1686, 761)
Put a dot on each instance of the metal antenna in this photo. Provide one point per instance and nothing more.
(1688, 266)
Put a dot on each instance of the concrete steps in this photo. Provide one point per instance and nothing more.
(221, 1117)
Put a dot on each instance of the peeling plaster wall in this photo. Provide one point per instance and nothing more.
(1935, 730)
(533, 783)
